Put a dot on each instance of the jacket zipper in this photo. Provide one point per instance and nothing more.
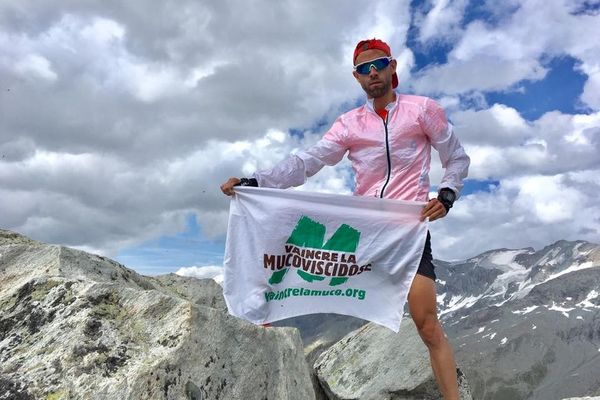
(389, 160)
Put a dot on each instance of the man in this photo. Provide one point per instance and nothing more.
(389, 142)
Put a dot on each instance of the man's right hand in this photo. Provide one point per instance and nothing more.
(227, 187)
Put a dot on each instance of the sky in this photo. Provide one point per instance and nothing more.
(119, 120)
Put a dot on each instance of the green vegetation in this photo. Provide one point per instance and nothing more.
(107, 307)
(56, 395)
(41, 291)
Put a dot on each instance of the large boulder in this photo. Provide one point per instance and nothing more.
(374, 363)
(75, 325)
(584, 398)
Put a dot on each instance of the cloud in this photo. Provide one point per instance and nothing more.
(118, 121)
(591, 90)
(36, 66)
(206, 272)
(483, 73)
(502, 144)
(442, 21)
(101, 201)
(498, 125)
(528, 33)
(531, 211)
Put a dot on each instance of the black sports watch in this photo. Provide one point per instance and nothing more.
(446, 196)
(248, 182)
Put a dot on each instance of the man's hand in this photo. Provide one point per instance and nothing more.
(227, 187)
(433, 210)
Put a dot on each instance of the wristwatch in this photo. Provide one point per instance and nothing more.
(446, 196)
(248, 182)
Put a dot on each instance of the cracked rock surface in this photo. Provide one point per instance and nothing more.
(75, 325)
(374, 363)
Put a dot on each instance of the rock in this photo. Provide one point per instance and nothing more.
(312, 352)
(583, 398)
(203, 292)
(373, 362)
(76, 325)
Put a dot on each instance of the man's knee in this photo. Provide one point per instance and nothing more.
(430, 330)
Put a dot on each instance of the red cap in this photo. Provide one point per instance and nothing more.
(376, 44)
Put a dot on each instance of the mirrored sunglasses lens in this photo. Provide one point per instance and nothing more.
(379, 64)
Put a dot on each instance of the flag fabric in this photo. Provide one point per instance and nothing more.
(291, 253)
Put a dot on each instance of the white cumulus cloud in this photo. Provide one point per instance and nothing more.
(206, 272)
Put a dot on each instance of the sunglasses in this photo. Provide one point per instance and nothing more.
(378, 63)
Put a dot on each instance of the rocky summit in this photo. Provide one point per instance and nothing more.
(377, 364)
(78, 326)
(74, 325)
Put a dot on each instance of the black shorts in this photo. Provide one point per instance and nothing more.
(426, 267)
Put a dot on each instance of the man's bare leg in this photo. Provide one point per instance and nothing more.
(423, 309)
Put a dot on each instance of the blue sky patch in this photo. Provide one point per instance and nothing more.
(589, 7)
(475, 186)
(492, 16)
(559, 90)
(169, 253)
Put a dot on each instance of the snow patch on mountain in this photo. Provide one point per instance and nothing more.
(525, 310)
(587, 302)
(526, 286)
(505, 259)
(577, 252)
(441, 297)
(551, 258)
(572, 268)
(459, 302)
(565, 311)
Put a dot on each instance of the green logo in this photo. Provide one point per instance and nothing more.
(313, 258)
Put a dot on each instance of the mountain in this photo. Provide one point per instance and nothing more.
(525, 324)
(75, 325)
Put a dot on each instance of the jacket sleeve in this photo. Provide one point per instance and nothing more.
(442, 137)
(293, 170)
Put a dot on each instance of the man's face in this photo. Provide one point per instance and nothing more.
(375, 83)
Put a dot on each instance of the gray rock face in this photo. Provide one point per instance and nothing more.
(583, 398)
(75, 325)
(202, 292)
(374, 363)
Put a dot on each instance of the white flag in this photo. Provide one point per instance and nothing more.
(291, 253)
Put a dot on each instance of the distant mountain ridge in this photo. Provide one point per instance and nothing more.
(499, 276)
(526, 323)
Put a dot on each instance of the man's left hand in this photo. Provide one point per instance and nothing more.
(433, 210)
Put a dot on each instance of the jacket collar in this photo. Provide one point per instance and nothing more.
(389, 107)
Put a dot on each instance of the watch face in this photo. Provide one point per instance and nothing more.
(448, 195)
